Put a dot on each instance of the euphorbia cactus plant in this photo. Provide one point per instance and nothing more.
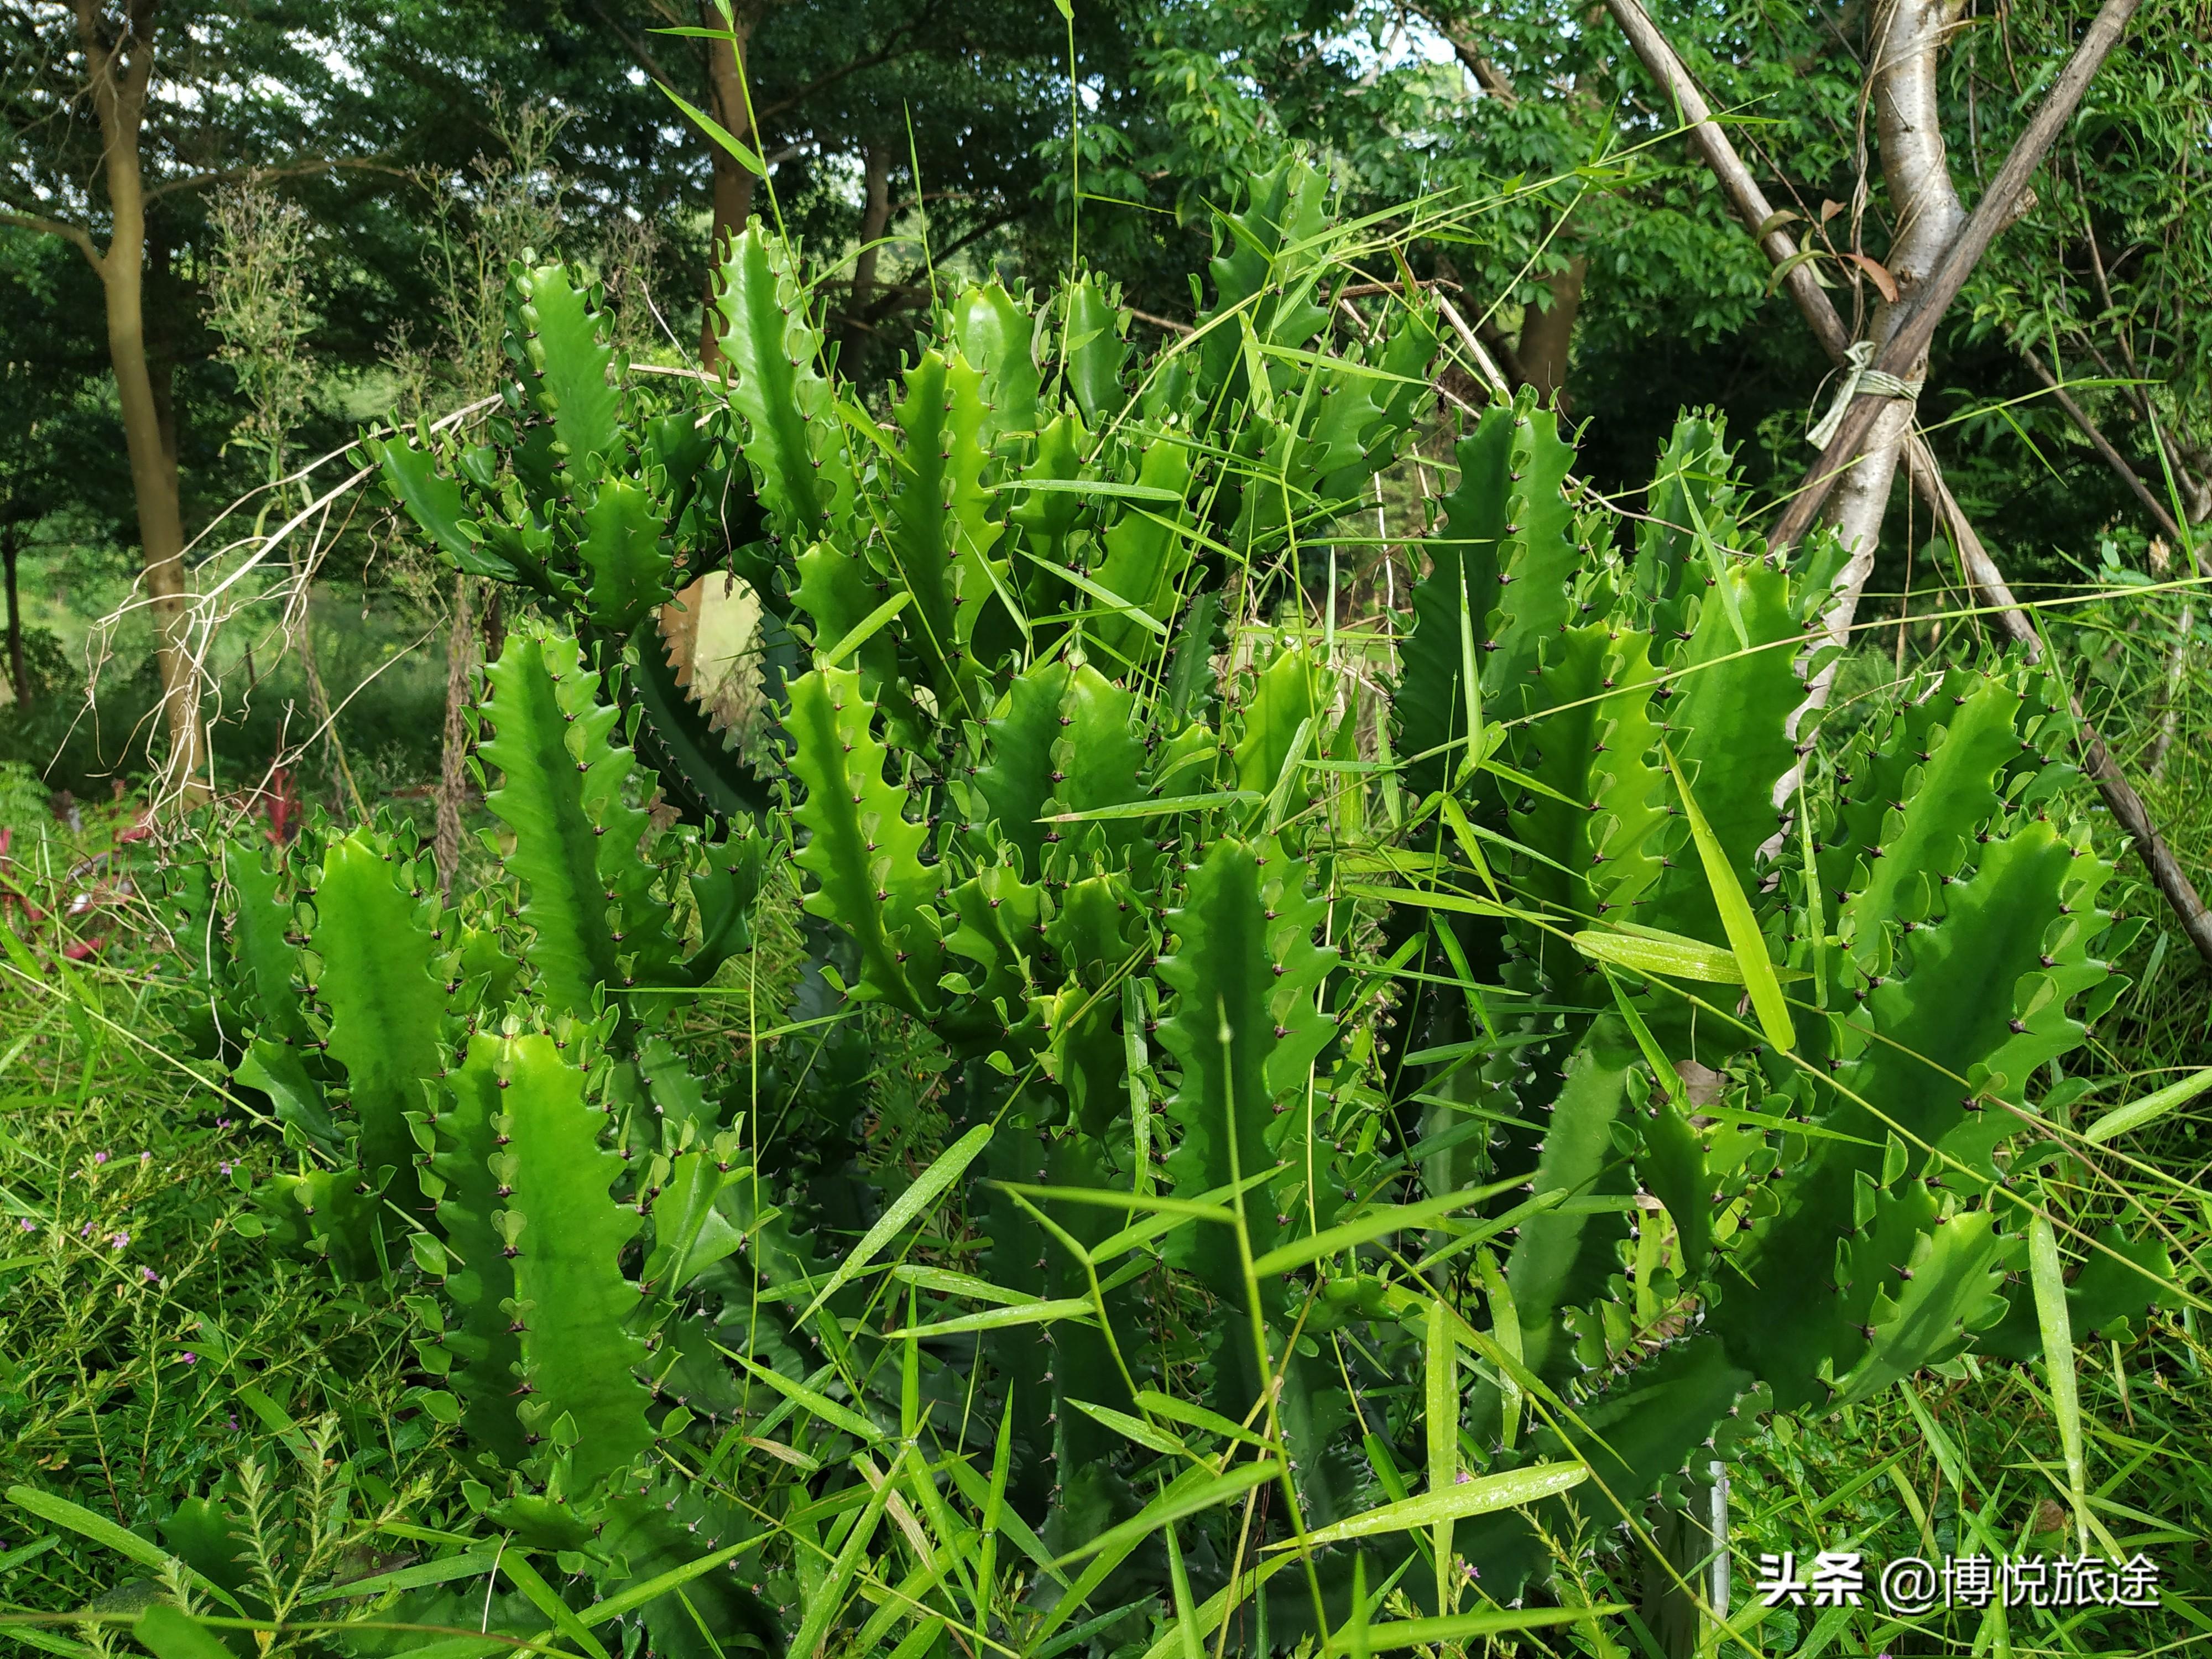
(1274, 1043)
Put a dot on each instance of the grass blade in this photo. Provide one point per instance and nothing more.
(83, 1523)
(1744, 937)
(1394, 1634)
(911, 1203)
(821, 1406)
(1457, 1503)
(2048, 1275)
(1177, 1501)
(2152, 1106)
(1375, 1224)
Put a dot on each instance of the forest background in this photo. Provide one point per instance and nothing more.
(233, 236)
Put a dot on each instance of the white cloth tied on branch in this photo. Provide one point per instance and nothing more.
(1861, 375)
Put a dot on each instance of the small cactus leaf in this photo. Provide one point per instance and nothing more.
(557, 339)
(1097, 761)
(1408, 350)
(1001, 918)
(621, 542)
(674, 1095)
(1045, 520)
(1692, 500)
(1146, 553)
(683, 444)
(724, 888)
(1014, 783)
(941, 535)
(487, 967)
(1563, 1256)
(1538, 557)
(1661, 1419)
(1187, 692)
(1728, 725)
(1745, 936)
(839, 592)
(588, 896)
(435, 500)
(267, 961)
(1943, 762)
(1292, 695)
(1246, 1030)
(1430, 709)
(795, 443)
(564, 1237)
(663, 1532)
(1090, 1053)
(1930, 1298)
(1094, 348)
(1953, 1011)
(280, 1071)
(996, 332)
(1273, 254)
(689, 1233)
(375, 934)
(2120, 1279)
(1592, 748)
(479, 1334)
(864, 855)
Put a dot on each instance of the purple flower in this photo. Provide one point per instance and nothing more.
(117, 1241)
(192, 1358)
(28, 1225)
(222, 1123)
(224, 1166)
(145, 1158)
(100, 1157)
(150, 1275)
(85, 1231)
(234, 1420)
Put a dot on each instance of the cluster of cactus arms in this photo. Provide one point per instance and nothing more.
(1306, 1054)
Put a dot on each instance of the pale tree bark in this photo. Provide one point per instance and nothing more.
(119, 67)
(1913, 327)
(1908, 37)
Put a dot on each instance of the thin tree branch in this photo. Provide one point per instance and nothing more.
(288, 170)
(76, 235)
(2127, 806)
(636, 47)
(899, 45)
(1736, 183)
(1917, 328)
(1487, 76)
(2098, 442)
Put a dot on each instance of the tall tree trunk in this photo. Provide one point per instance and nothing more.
(734, 185)
(875, 219)
(1547, 334)
(1908, 35)
(118, 84)
(19, 676)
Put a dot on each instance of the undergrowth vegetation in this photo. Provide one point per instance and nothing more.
(1141, 1118)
